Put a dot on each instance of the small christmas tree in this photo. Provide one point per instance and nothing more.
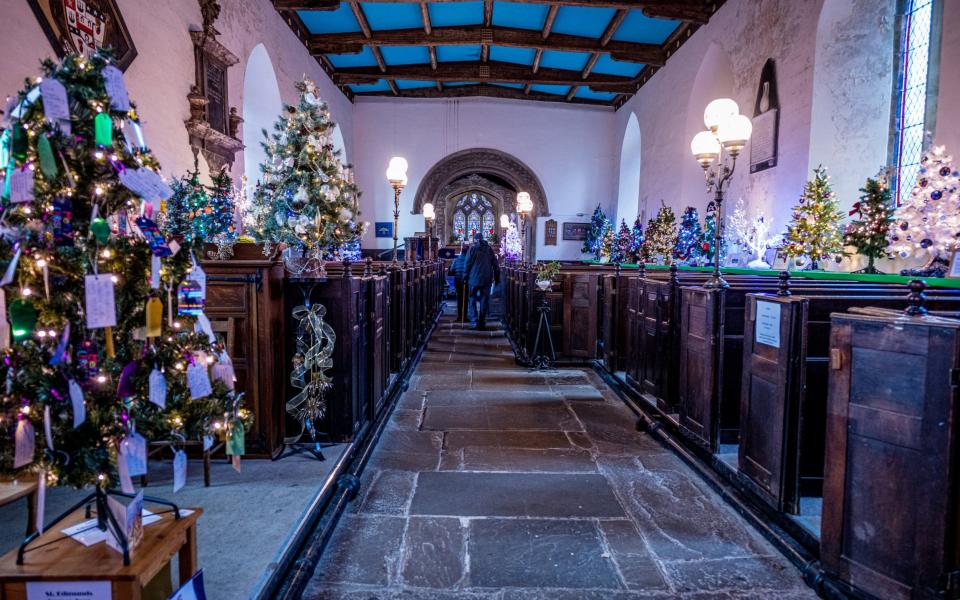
(622, 244)
(512, 248)
(868, 234)
(608, 244)
(217, 224)
(708, 241)
(636, 242)
(752, 234)
(928, 221)
(598, 229)
(815, 230)
(185, 208)
(687, 250)
(661, 237)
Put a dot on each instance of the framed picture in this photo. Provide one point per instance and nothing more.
(575, 231)
(83, 26)
(384, 230)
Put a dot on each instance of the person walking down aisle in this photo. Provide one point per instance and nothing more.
(458, 271)
(482, 271)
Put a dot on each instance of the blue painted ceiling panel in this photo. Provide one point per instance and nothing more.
(607, 66)
(404, 84)
(451, 14)
(405, 55)
(383, 16)
(379, 86)
(458, 83)
(638, 28)
(574, 61)
(558, 90)
(330, 21)
(361, 59)
(516, 86)
(586, 92)
(520, 56)
(583, 21)
(458, 53)
(519, 16)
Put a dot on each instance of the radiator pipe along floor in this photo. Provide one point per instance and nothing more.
(653, 421)
(306, 544)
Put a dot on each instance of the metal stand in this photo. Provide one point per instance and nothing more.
(105, 518)
(542, 360)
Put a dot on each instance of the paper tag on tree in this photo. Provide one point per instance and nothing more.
(154, 271)
(235, 461)
(158, 388)
(116, 88)
(198, 380)
(207, 442)
(203, 325)
(235, 439)
(56, 108)
(133, 449)
(47, 429)
(4, 324)
(76, 399)
(11, 268)
(179, 470)
(21, 186)
(24, 439)
(41, 500)
(100, 302)
(123, 471)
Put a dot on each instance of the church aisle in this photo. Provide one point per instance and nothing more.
(494, 482)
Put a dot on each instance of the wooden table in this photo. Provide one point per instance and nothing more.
(11, 491)
(56, 557)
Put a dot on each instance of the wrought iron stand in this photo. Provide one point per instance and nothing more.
(542, 360)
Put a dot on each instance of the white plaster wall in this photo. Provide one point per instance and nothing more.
(160, 77)
(568, 147)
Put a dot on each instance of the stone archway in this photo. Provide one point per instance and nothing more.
(503, 198)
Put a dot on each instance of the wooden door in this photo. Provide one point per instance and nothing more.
(580, 315)
(654, 313)
(698, 367)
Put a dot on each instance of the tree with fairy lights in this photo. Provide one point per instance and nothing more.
(815, 230)
(608, 244)
(220, 217)
(708, 241)
(636, 242)
(687, 250)
(927, 224)
(868, 234)
(512, 247)
(661, 237)
(96, 359)
(599, 225)
(622, 244)
(307, 199)
(752, 234)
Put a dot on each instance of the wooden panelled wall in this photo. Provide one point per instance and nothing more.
(850, 401)
(379, 312)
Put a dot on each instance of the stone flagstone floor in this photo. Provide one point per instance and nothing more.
(495, 482)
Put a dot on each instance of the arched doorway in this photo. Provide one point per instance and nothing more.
(261, 106)
(493, 175)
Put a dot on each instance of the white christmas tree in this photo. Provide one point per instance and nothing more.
(512, 248)
(753, 234)
(928, 222)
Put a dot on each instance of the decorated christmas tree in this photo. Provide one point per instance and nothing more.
(815, 230)
(928, 221)
(307, 199)
(219, 220)
(185, 210)
(687, 250)
(868, 234)
(621, 252)
(752, 234)
(599, 224)
(708, 241)
(511, 248)
(636, 242)
(661, 237)
(608, 245)
(101, 359)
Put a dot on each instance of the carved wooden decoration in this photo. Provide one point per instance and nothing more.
(550, 233)
(212, 125)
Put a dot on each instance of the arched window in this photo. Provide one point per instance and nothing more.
(487, 224)
(474, 212)
(473, 222)
(914, 102)
(459, 225)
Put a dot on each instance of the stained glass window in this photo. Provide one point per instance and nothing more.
(474, 212)
(487, 223)
(473, 223)
(459, 225)
(913, 78)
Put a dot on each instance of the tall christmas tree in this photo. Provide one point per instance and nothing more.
(599, 224)
(868, 234)
(95, 368)
(621, 252)
(708, 241)
(511, 248)
(928, 221)
(687, 249)
(661, 237)
(636, 242)
(307, 198)
(815, 231)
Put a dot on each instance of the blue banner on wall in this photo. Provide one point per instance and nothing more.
(384, 230)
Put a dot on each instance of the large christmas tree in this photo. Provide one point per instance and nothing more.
(928, 222)
(307, 198)
(636, 242)
(599, 225)
(687, 249)
(661, 237)
(100, 360)
(868, 234)
(815, 230)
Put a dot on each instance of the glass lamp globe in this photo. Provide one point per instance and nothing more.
(524, 204)
(718, 111)
(734, 132)
(428, 212)
(397, 171)
(504, 221)
(705, 148)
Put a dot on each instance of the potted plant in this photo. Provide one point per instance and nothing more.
(545, 274)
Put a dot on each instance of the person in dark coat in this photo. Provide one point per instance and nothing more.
(457, 270)
(482, 270)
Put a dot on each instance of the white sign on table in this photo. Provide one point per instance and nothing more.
(768, 324)
(82, 590)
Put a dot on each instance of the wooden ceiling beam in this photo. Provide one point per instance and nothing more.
(393, 87)
(573, 92)
(488, 12)
(347, 43)
(433, 57)
(361, 18)
(490, 72)
(608, 34)
(491, 91)
(284, 5)
(536, 60)
(548, 22)
(425, 13)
